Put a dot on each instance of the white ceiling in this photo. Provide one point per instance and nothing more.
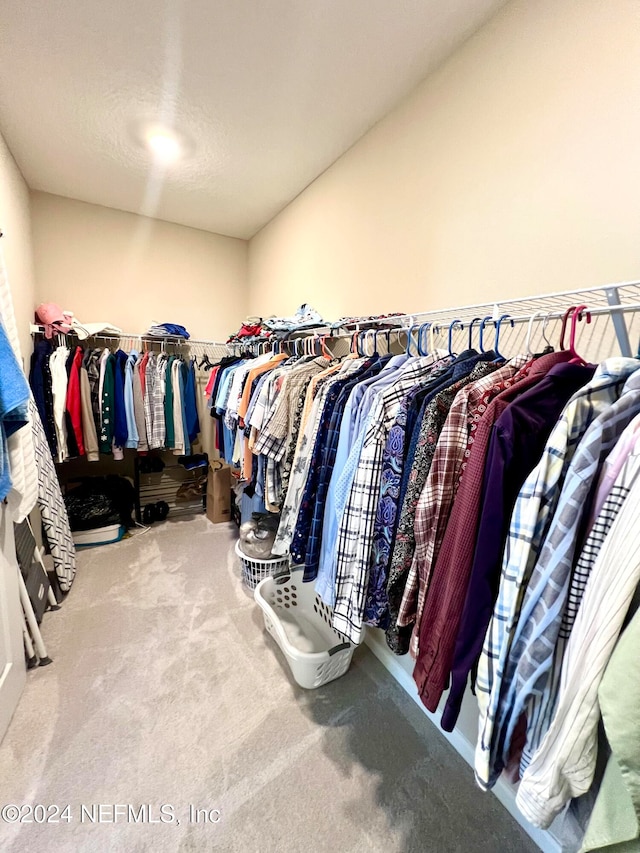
(268, 94)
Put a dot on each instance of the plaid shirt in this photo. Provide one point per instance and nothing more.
(436, 632)
(517, 440)
(302, 459)
(532, 669)
(309, 501)
(416, 470)
(276, 428)
(341, 390)
(436, 500)
(564, 765)
(377, 603)
(356, 527)
(530, 520)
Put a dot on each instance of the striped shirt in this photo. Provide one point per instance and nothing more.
(564, 765)
(532, 669)
(530, 520)
(356, 527)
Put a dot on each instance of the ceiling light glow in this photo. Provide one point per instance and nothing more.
(164, 146)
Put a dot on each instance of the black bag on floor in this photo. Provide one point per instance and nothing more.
(100, 501)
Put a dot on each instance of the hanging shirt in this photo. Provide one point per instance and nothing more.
(532, 669)
(102, 363)
(120, 434)
(92, 363)
(377, 603)
(563, 766)
(191, 404)
(88, 424)
(40, 382)
(350, 442)
(416, 471)
(108, 395)
(168, 404)
(129, 405)
(138, 405)
(436, 501)
(308, 537)
(302, 464)
(518, 439)
(179, 445)
(628, 475)
(612, 467)
(183, 373)
(354, 538)
(72, 444)
(614, 818)
(60, 381)
(74, 401)
(535, 506)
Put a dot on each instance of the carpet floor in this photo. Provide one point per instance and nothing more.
(165, 690)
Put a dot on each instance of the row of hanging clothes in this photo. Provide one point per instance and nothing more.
(479, 509)
(99, 400)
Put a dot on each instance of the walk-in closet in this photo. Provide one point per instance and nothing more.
(320, 426)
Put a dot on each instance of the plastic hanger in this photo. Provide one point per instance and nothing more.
(431, 348)
(421, 331)
(567, 314)
(575, 318)
(326, 353)
(545, 323)
(451, 327)
(471, 324)
(483, 323)
(410, 338)
(533, 317)
(498, 327)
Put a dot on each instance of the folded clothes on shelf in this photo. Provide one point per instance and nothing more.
(168, 330)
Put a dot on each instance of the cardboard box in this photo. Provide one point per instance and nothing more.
(219, 493)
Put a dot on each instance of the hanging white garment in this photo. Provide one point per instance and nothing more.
(24, 476)
(178, 426)
(59, 382)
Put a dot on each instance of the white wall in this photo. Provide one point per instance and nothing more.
(512, 170)
(104, 264)
(15, 223)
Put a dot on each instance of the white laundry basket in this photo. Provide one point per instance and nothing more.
(300, 623)
(255, 570)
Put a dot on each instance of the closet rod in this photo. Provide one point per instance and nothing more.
(36, 329)
(609, 295)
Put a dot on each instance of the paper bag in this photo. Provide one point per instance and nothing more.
(219, 492)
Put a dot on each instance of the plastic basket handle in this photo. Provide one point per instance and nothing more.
(339, 648)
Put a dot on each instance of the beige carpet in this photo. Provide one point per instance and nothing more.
(165, 689)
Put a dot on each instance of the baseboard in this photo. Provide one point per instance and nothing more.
(505, 792)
